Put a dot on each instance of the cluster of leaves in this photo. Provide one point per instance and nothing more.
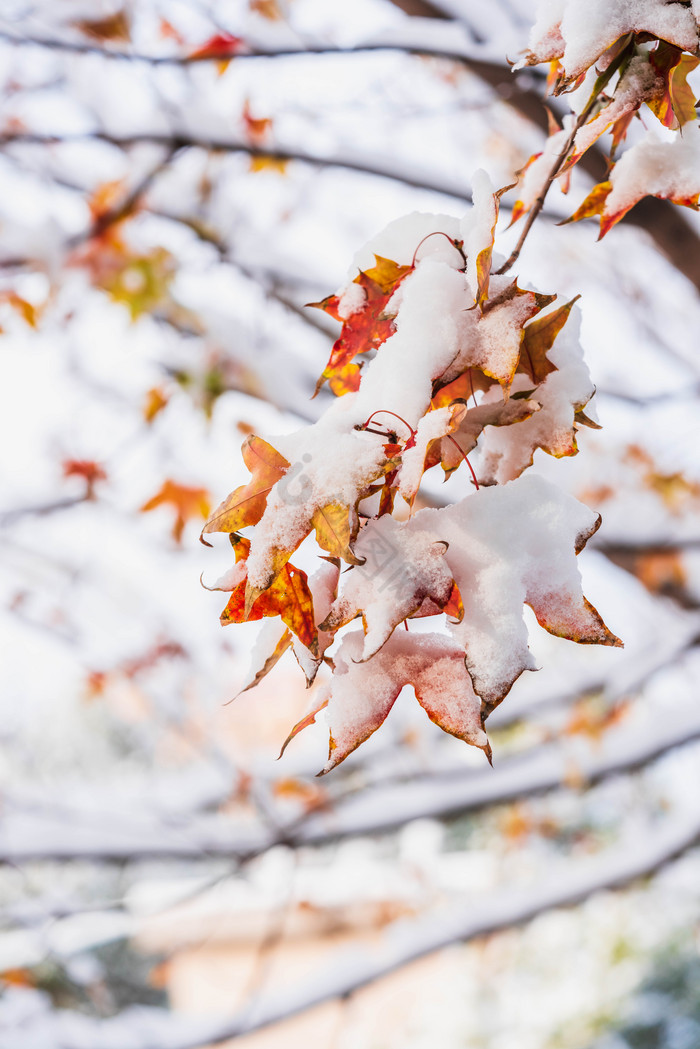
(438, 356)
(617, 62)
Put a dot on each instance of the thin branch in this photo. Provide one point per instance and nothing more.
(9, 517)
(463, 55)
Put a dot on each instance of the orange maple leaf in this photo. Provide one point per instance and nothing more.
(257, 129)
(187, 503)
(289, 597)
(365, 329)
(246, 505)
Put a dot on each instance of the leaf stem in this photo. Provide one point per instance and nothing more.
(439, 233)
(464, 456)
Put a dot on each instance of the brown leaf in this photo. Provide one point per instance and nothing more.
(538, 339)
(113, 27)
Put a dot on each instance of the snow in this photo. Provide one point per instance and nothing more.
(363, 693)
(403, 566)
(510, 545)
(401, 240)
(579, 31)
(656, 166)
(478, 225)
(504, 452)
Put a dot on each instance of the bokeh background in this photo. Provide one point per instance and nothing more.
(177, 179)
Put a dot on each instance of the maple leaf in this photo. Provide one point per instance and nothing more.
(401, 570)
(27, 310)
(187, 503)
(90, 471)
(538, 339)
(464, 386)
(450, 453)
(221, 45)
(156, 399)
(511, 545)
(578, 35)
(263, 162)
(365, 328)
(257, 129)
(288, 596)
(499, 331)
(113, 27)
(336, 527)
(246, 504)
(268, 9)
(674, 104)
(315, 496)
(363, 693)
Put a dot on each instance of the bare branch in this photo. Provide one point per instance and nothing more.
(35, 835)
(404, 942)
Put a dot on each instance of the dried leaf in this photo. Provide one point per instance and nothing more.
(538, 339)
(113, 27)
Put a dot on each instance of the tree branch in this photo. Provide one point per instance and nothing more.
(404, 942)
(31, 836)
